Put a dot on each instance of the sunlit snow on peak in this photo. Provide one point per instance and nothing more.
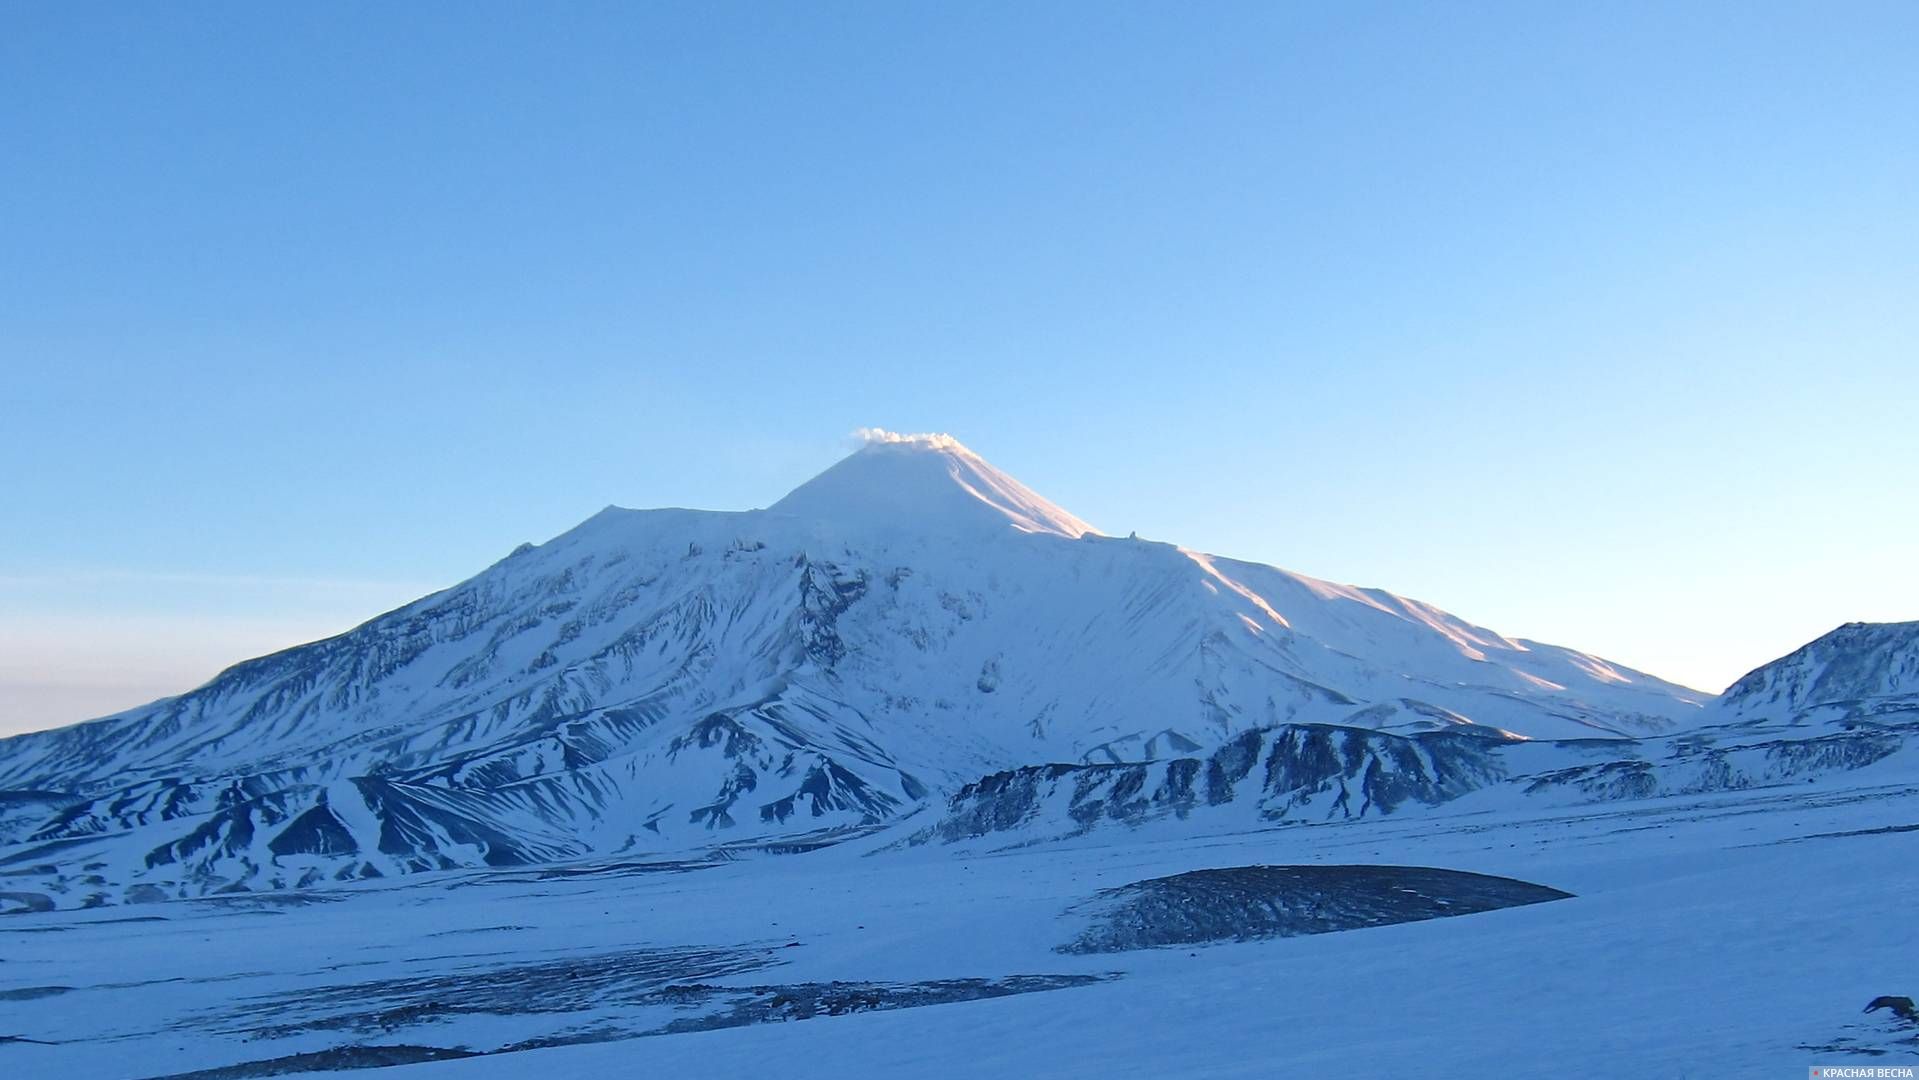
(927, 484)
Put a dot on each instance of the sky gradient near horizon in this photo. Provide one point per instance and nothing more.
(1593, 324)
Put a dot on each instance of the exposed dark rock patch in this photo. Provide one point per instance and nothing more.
(339, 1059)
(21, 903)
(629, 868)
(804, 1001)
(30, 993)
(1245, 903)
(316, 832)
(573, 984)
(266, 901)
(1900, 1007)
(478, 930)
(711, 1007)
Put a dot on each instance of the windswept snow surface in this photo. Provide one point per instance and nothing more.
(1732, 934)
(666, 681)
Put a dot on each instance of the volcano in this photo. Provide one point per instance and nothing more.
(650, 681)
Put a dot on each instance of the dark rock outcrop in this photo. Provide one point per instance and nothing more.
(1244, 903)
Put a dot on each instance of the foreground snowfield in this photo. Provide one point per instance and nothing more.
(1735, 934)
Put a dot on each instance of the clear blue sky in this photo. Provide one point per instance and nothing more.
(1595, 323)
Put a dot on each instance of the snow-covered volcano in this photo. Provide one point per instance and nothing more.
(923, 485)
(902, 624)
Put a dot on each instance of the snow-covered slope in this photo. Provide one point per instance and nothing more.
(908, 621)
(1318, 774)
(1844, 704)
(925, 485)
(1854, 672)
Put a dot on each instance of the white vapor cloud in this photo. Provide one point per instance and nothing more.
(867, 436)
